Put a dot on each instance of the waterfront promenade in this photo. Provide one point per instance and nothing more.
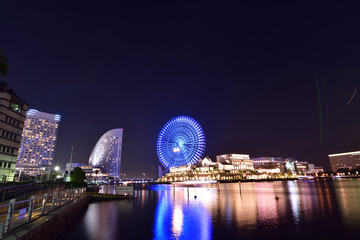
(19, 214)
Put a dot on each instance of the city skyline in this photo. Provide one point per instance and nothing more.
(261, 79)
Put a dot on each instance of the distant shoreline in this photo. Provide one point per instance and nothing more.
(237, 181)
(267, 180)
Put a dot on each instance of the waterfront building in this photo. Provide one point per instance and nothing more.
(241, 162)
(226, 167)
(206, 169)
(311, 166)
(180, 169)
(269, 165)
(107, 153)
(12, 117)
(264, 160)
(318, 169)
(273, 168)
(301, 166)
(69, 168)
(230, 167)
(206, 165)
(314, 171)
(349, 160)
(39, 136)
(90, 171)
(281, 165)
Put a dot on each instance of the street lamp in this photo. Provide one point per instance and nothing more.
(56, 168)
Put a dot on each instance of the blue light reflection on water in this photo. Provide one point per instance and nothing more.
(178, 216)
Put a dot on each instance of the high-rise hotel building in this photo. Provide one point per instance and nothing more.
(107, 153)
(348, 160)
(38, 141)
(12, 116)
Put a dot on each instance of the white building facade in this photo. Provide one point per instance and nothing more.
(107, 153)
(37, 149)
(241, 162)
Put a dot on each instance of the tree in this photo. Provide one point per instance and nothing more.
(77, 177)
(4, 68)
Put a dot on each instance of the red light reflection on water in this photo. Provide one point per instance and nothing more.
(266, 204)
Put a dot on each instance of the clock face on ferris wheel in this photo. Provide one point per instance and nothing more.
(181, 142)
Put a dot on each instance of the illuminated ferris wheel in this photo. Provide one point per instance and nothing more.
(180, 142)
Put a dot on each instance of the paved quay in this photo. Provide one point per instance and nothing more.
(51, 225)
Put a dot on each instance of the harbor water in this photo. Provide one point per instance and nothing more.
(304, 210)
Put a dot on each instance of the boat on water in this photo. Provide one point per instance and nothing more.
(194, 182)
(306, 178)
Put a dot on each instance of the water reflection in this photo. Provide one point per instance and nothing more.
(178, 216)
(249, 210)
(294, 199)
(267, 205)
(348, 196)
(100, 221)
(305, 210)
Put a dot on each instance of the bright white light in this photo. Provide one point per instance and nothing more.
(342, 154)
(177, 221)
(176, 150)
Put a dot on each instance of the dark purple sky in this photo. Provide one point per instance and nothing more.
(246, 72)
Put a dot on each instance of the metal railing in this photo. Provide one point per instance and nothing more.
(22, 212)
(14, 191)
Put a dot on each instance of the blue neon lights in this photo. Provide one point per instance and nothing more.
(181, 142)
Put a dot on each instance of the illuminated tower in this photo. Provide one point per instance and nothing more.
(107, 152)
(12, 116)
(38, 141)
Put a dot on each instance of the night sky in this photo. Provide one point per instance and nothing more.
(262, 79)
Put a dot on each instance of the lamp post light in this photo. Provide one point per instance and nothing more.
(56, 169)
(69, 170)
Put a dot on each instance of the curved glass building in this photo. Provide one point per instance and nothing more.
(107, 152)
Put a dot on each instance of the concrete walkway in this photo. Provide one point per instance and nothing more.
(52, 224)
